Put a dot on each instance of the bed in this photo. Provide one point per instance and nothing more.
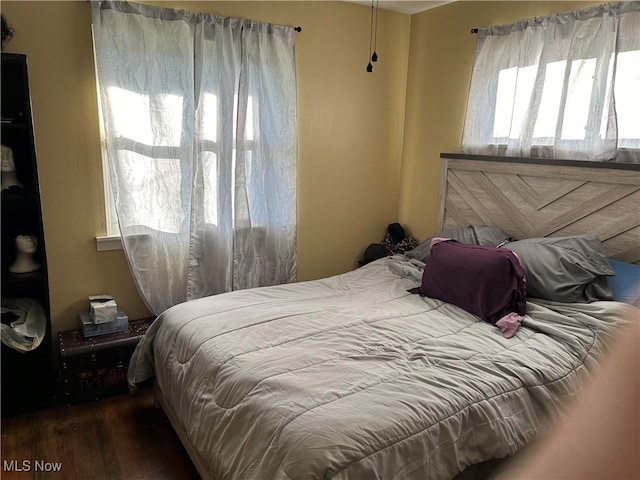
(356, 377)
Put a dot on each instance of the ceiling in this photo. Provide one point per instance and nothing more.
(404, 6)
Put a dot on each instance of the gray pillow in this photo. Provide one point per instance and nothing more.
(472, 235)
(565, 269)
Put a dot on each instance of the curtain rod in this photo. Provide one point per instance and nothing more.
(297, 28)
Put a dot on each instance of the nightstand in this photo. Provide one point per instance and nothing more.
(96, 367)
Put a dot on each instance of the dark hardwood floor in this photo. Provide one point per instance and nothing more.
(123, 437)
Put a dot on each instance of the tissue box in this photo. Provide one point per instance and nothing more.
(90, 329)
(102, 308)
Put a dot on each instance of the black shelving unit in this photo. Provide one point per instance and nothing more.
(26, 376)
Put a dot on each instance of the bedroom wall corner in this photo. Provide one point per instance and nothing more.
(351, 127)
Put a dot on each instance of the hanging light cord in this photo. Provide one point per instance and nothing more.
(369, 66)
(374, 57)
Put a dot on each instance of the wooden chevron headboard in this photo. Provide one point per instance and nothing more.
(538, 198)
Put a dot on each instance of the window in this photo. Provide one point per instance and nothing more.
(133, 122)
(515, 88)
(200, 132)
(565, 86)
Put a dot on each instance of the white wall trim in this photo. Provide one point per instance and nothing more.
(108, 242)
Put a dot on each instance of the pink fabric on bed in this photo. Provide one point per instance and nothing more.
(509, 324)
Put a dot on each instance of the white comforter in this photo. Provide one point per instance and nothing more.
(352, 377)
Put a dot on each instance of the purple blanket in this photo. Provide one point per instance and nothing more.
(486, 281)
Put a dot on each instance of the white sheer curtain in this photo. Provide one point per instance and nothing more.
(563, 86)
(199, 116)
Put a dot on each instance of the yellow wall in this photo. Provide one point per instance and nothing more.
(350, 138)
(364, 159)
(440, 62)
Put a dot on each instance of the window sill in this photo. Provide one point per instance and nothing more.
(108, 242)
